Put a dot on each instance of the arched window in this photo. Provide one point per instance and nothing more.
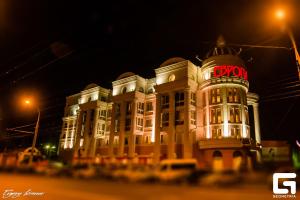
(171, 78)
(237, 154)
(141, 89)
(217, 154)
(124, 90)
(150, 90)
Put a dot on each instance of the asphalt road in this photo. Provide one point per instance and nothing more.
(16, 186)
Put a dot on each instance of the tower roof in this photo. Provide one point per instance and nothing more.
(221, 49)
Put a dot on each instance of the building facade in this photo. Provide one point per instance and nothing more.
(185, 111)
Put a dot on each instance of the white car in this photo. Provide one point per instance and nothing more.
(175, 170)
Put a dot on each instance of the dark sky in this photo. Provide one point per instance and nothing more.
(107, 38)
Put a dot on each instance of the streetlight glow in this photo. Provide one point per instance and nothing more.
(27, 102)
(280, 14)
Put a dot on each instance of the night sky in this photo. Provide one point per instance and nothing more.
(53, 49)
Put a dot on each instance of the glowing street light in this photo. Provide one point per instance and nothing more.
(280, 15)
(28, 102)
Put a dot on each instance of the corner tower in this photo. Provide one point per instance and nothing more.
(225, 117)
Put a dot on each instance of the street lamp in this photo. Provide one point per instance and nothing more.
(28, 102)
(280, 15)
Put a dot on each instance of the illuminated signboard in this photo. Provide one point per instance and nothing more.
(229, 70)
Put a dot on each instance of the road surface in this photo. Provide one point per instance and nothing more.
(17, 186)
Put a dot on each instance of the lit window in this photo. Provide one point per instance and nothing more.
(216, 133)
(139, 124)
(235, 115)
(215, 95)
(236, 95)
(233, 95)
(235, 132)
(140, 108)
(215, 115)
(219, 117)
(102, 114)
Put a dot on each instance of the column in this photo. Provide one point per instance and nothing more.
(122, 129)
(225, 111)
(187, 137)
(86, 142)
(94, 133)
(243, 114)
(207, 131)
(66, 145)
(157, 129)
(131, 140)
(77, 134)
(112, 132)
(171, 129)
(256, 123)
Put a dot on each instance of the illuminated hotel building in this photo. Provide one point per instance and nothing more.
(185, 111)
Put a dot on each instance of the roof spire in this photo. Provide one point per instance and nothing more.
(221, 41)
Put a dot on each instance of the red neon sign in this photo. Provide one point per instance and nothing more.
(228, 70)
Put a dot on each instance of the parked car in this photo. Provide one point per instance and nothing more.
(175, 170)
(84, 171)
(224, 179)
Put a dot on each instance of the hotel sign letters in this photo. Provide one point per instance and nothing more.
(230, 70)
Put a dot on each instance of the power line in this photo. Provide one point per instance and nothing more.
(259, 46)
(43, 66)
(21, 126)
(281, 94)
(24, 51)
(282, 98)
(285, 115)
(23, 63)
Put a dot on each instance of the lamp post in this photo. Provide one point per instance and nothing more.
(28, 102)
(280, 15)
